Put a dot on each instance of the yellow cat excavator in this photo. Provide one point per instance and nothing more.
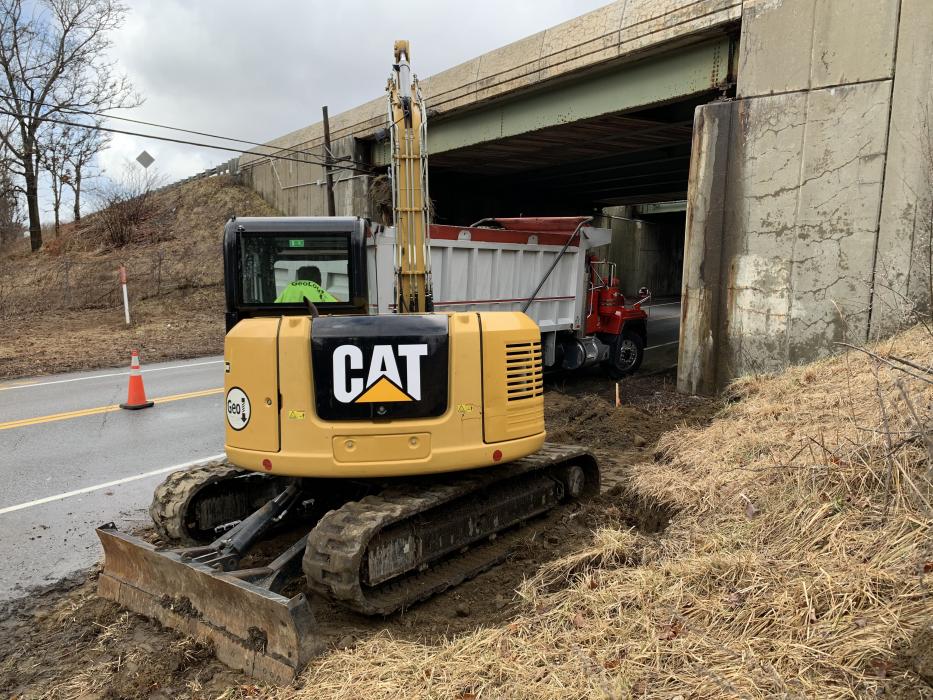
(400, 452)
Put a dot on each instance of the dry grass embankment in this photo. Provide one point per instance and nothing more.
(798, 564)
(61, 307)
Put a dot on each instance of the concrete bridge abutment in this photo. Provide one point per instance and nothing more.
(809, 203)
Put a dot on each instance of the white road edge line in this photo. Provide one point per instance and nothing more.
(102, 376)
(662, 345)
(116, 482)
(667, 303)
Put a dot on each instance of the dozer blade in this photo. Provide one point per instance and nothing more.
(265, 634)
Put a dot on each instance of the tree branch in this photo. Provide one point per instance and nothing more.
(885, 361)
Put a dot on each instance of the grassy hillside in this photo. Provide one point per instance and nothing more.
(62, 307)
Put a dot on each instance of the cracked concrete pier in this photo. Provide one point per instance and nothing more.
(809, 198)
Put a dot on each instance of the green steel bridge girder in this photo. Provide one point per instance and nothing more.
(678, 74)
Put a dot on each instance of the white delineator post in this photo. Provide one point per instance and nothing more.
(126, 299)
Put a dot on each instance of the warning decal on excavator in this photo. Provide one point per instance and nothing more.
(378, 367)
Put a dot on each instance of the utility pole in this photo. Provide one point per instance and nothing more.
(328, 173)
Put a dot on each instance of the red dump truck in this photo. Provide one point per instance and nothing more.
(544, 266)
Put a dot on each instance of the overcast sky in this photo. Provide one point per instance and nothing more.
(259, 69)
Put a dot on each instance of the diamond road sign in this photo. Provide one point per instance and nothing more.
(144, 159)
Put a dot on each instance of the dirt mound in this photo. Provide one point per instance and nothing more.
(594, 419)
(587, 414)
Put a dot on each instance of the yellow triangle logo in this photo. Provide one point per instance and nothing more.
(383, 391)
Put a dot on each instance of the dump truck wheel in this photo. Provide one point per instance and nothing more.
(626, 354)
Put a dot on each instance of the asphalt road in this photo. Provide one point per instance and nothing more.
(62, 433)
(71, 460)
(663, 334)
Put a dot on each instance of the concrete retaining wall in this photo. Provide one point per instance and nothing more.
(902, 281)
(298, 189)
(704, 295)
(647, 252)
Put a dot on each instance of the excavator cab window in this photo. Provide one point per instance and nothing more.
(288, 268)
(274, 265)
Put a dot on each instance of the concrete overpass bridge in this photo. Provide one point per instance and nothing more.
(541, 115)
(789, 128)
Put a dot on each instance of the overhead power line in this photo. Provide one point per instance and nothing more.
(111, 130)
(316, 160)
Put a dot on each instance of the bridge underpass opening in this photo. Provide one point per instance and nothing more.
(579, 167)
(629, 170)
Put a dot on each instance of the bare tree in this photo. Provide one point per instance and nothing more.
(88, 143)
(11, 220)
(126, 207)
(56, 146)
(51, 64)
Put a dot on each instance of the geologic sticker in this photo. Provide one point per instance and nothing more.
(238, 409)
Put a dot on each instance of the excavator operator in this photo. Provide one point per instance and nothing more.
(307, 285)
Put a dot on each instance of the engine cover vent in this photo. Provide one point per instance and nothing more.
(523, 371)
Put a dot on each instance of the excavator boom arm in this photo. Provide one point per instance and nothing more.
(408, 140)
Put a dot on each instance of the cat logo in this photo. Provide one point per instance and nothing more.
(381, 381)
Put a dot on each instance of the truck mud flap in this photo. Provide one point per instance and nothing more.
(265, 634)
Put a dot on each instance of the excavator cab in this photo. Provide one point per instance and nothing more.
(264, 256)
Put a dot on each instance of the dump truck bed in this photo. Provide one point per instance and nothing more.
(497, 269)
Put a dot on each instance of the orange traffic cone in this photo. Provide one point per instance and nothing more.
(136, 395)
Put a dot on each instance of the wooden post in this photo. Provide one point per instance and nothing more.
(331, 206)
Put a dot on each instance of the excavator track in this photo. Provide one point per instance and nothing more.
(190, 504)
(355, 553)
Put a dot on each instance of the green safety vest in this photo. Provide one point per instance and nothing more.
(300, 290)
